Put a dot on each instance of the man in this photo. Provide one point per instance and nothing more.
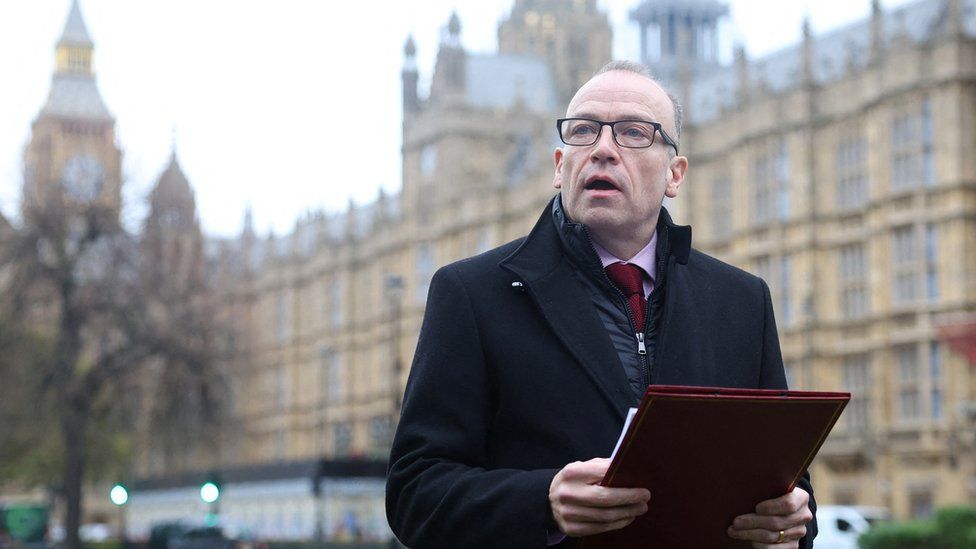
(530, 354)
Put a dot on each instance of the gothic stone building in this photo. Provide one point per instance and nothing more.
(839, 169)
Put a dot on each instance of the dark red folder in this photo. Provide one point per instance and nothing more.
(709, 455)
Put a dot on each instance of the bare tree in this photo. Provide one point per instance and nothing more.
(73, 276)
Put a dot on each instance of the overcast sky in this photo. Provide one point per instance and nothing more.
(286, 105)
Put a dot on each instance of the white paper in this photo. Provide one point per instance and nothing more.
(630, 416)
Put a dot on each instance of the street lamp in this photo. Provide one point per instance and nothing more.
(394, 288)
(210, 494)
(120, 496)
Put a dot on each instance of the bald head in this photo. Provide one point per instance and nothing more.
(671, 123)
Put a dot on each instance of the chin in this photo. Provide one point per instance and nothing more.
(601, 221)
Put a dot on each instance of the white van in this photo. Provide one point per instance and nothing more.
(838, 526)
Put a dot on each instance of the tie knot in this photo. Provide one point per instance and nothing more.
(628, 278)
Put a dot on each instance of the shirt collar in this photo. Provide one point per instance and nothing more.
(645, 258)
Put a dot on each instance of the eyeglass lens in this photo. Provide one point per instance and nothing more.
(627, 133)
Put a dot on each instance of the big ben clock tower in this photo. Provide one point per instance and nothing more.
(72, 159)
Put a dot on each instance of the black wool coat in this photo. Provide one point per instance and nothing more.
(515, 376)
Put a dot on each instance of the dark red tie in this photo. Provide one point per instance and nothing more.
(629, 279)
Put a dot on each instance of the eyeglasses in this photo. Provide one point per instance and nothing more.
(632, 134)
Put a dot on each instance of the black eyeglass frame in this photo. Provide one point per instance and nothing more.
(657, 128)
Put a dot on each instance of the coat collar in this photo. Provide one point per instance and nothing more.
(542, 264)
(541, 251)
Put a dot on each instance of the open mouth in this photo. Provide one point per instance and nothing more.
(600, 185)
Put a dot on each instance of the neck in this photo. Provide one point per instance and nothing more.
(625, 245)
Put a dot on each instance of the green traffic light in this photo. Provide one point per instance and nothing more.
(209, 492)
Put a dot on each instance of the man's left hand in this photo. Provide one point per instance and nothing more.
(778, 523)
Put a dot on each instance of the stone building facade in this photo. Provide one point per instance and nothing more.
(840, 170)
(333, 310)
(837, 169)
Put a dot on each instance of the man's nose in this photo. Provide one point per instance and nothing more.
(605, 148)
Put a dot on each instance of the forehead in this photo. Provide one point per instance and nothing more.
(620, 94)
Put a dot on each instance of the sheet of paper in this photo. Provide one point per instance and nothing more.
(630, 416)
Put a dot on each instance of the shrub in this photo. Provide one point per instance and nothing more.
(952, 528)
(957, 527)
(901, 535)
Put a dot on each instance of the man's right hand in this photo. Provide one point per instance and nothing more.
(581, 507)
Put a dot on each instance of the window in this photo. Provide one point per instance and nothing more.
(785, 301)
(425, 269)
(931, 259)
(935, 380)
(280, 443)
(332, 374)
(928, 144)
(853, 281)
(907, 374)
(762, 198)
(783, 181)
(521, 160)
(921, 383)
(912, 144)
(381, 434)
(335, 302)
(904, 265)
(852, 180)
(342, 433)
(428, 160)
(282, 388)
(921, 503)
(856, 374)
(910, 268)
(777, 272)
(282, 318)
(722, 209)
(771, 191)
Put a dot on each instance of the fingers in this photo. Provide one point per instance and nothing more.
(590, 472)
(766, 538)
(772, 523)
(581, 507)
(784, 505)
(788, 514)
(595, 516)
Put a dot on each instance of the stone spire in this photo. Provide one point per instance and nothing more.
(74, 48)
(450, 71)
(411, 102)
(744, 83)
(172, 240)
(808, 53)
(248, 220)
(955, 12)
(454, 29)
(172, 198)
(75, 31)
(877, 32)
(73, 90)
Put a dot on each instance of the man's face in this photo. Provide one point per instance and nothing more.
(616, 191)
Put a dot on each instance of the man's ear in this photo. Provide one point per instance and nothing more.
(676, 175)
(557, 179)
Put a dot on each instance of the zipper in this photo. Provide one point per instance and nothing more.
(638, 334)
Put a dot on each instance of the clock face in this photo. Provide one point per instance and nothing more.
(83, 177)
